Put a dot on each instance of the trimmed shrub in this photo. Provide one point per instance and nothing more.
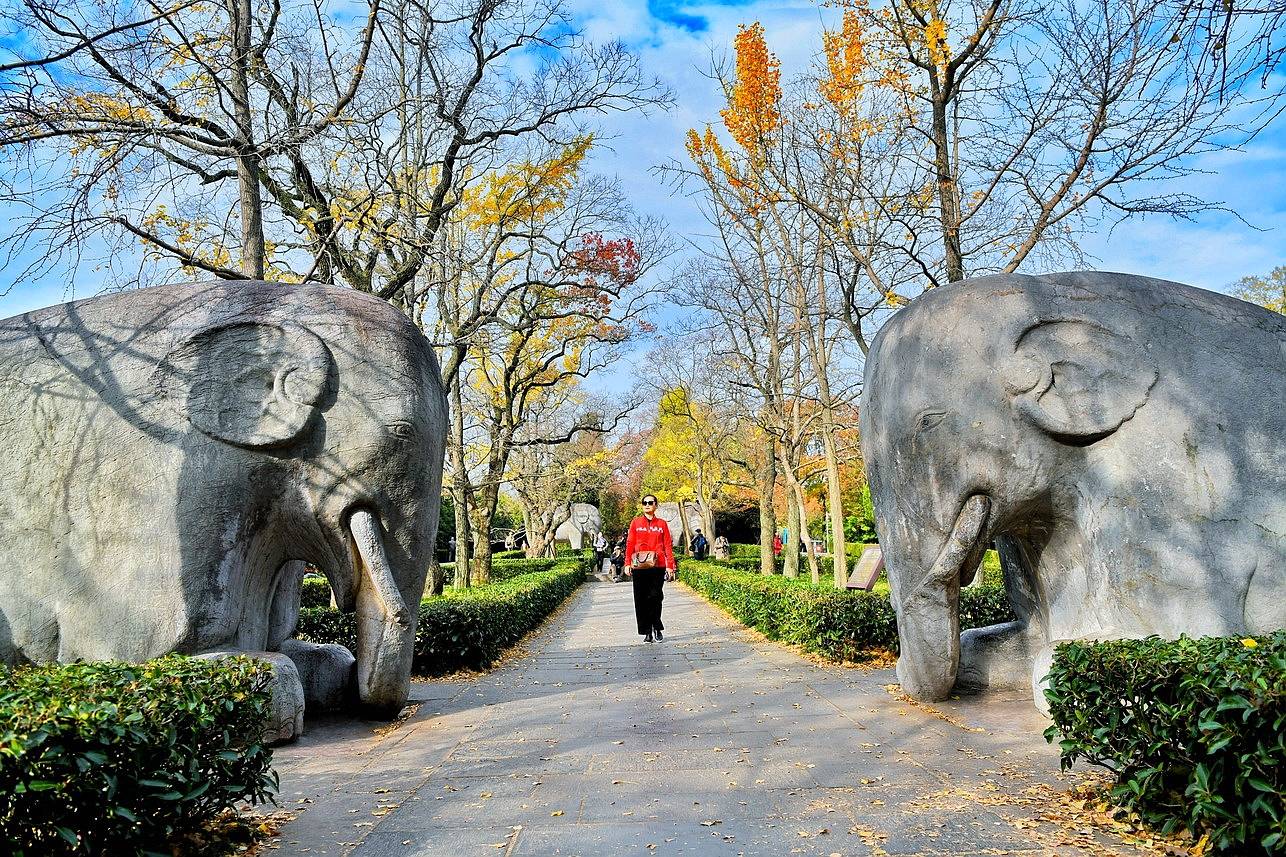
(1194, 731)
(114, 758)
(748, 560)
(314, 592)
(743, 563)
(837, 624)
(506, 569)
(468, 628)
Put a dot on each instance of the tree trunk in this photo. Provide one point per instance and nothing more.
(948, 195)
(795, 502)
(684, 533)
(528, 530)
(436, 575)
(790, 550)
(834, 493)
(480, 569)
(249, 198)
(484, 512)
(767, 514)
(806, 541)
(459, 488)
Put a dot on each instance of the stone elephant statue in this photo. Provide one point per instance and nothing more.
(673, 517)
(582, 519)
(176, 455)
(1119, 438)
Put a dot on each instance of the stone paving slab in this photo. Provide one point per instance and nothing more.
(712, 742)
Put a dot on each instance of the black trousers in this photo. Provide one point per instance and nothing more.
(648, 594)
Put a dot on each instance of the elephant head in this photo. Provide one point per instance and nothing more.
(977, 398)
(329, 423)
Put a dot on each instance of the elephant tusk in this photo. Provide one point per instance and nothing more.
(385, 628)
(369, 540)
(962, 543)
(929, 615)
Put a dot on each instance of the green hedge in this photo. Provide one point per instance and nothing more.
(507, 569)
(837, 624)
(747, 559)
(113, 758)
(314, 592)
(469, 628)
(1194, 730)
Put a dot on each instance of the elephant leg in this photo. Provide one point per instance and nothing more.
(283, 616)
(328, 673)
(286, 714)
(1001, 656)
(998, 657)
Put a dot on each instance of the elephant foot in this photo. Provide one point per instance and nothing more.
(286, 715)
(328, 672)
(997, 657)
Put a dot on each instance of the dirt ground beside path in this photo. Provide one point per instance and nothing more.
(714, 742)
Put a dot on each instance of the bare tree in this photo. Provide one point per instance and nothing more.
(245, 140)
(1019, 127)
(164, 128)
(547, 476)
(691, 383)
(563, 303)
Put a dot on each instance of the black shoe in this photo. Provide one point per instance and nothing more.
(659, 636)
(647, 638)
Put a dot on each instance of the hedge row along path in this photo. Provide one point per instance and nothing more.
(713, 742)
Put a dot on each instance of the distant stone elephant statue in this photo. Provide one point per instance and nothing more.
(176, 455)
(583, 519)
(1121, 439)
(669, 512)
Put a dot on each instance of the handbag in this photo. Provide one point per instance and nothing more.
(643, 560)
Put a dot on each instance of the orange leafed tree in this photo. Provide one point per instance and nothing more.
(846, 63)
(753, 113)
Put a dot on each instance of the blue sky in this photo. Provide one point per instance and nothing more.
(676, 40)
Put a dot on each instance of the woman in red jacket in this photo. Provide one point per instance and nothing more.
(649, 559)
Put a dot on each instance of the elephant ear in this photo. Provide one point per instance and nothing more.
(1077, 380)
(251, 384)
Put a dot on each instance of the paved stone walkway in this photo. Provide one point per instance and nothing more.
(713, 742)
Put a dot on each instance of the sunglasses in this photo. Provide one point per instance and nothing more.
(649, 502)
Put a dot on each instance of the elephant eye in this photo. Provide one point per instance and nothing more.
(930, 420)
(402, 430)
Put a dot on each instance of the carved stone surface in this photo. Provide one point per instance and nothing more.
(1120, 438)
(173, 454)
(669, 512)
(327, 672)
(583, 522)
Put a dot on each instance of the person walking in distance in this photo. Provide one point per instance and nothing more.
(600, 551)
(649, 559)
(700, 546)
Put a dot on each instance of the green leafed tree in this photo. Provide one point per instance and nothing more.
(1268, 290)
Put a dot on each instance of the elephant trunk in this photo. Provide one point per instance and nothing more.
(385, 627)
(929, 613)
